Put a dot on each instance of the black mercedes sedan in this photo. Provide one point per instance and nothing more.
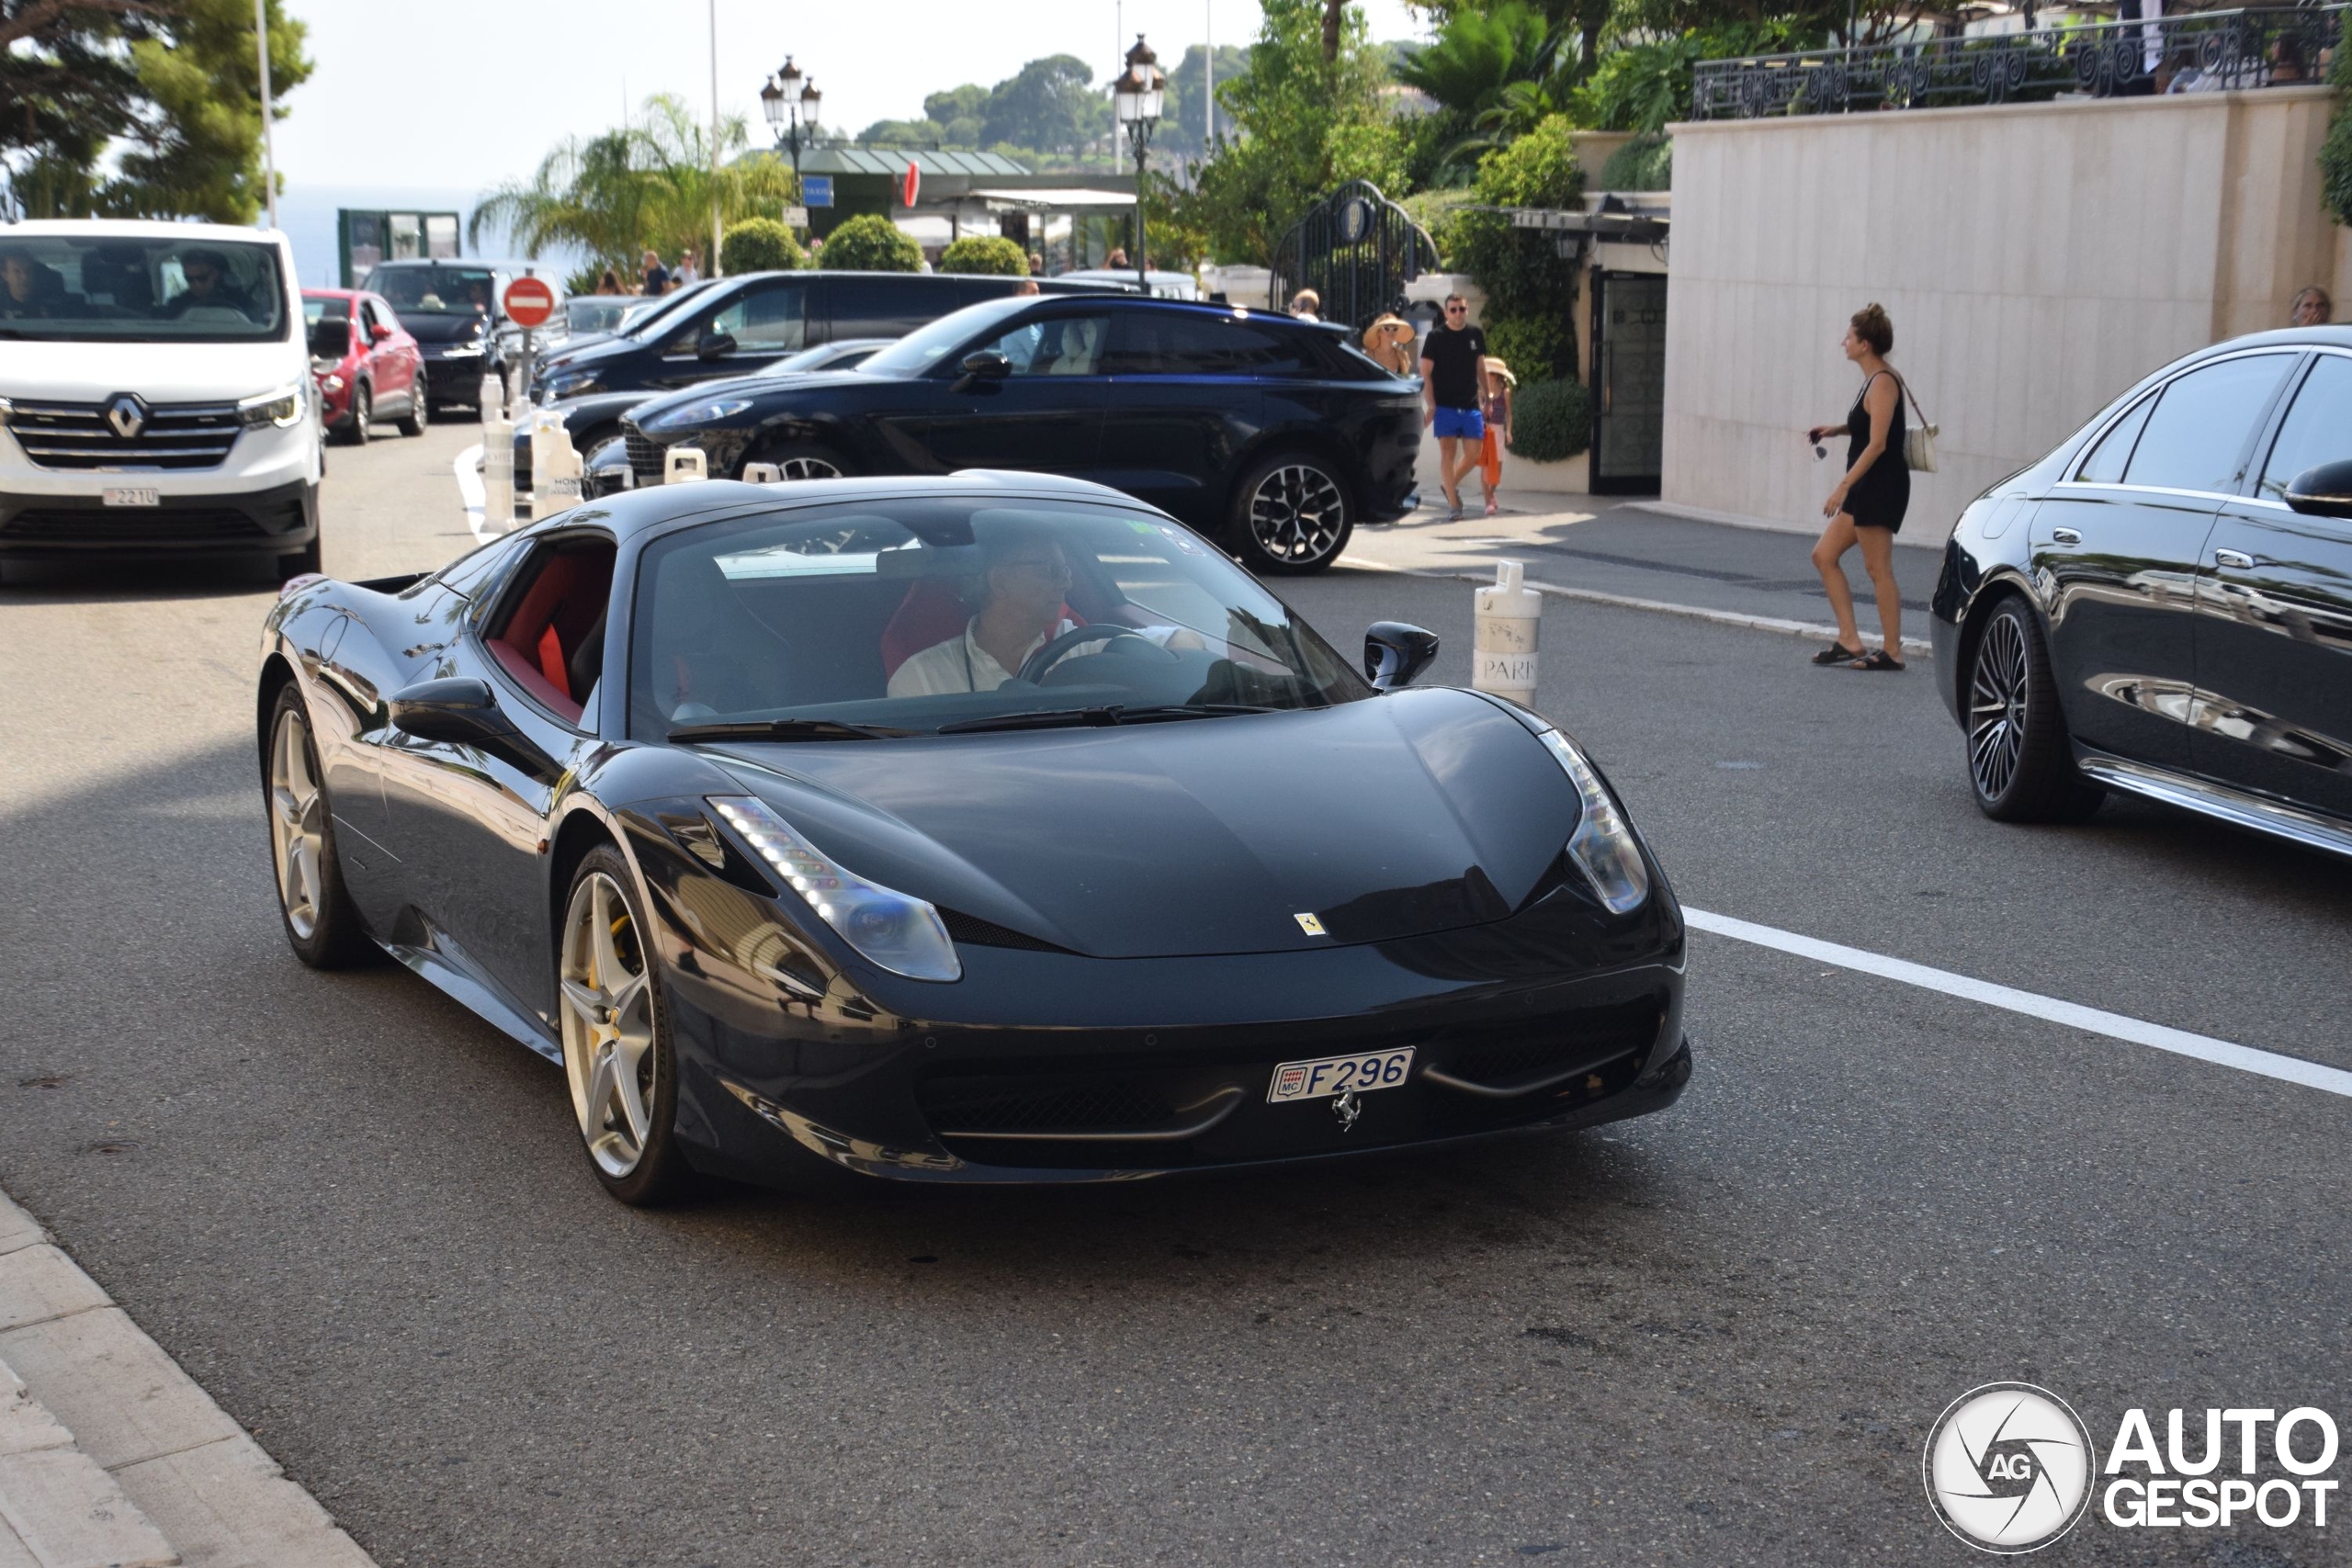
(2163, 606)
(1270, 435)
(986, 829)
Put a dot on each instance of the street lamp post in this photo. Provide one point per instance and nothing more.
(788, 101)
(1135, 98)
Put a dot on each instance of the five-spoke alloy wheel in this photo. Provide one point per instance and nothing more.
(1291, 517)
(617, 1055)
(321, 923)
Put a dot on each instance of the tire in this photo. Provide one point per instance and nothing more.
(804, 460)
(1292, 514)
(363, 415)
(618, 1061)
(322, 923)
(418, 416)
(2020, 762)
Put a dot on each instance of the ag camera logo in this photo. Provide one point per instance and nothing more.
(2008, 1467)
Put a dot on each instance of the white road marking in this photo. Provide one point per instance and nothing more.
(467, 467)
(2094, 1020)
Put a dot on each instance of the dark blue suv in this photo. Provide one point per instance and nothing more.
(1271, 436)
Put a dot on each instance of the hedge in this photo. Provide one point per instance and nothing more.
(1551, 420)
(2335, 153)
(760, 245)
(992, 254)
(871, 242)
(1537, 348)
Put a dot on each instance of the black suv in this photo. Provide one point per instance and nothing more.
(738, 324)
(1270, 435)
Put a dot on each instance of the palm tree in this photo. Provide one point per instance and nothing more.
(647, 186)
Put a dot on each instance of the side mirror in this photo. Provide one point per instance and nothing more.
(330, 340)
(379, 332)
(2323, 492)
(715, 345)
(461, 711)
(984, 365)
(1394, 653)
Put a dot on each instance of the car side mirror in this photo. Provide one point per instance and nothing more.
(461, 711)
(379, 332)
(715, 345)
(983, 365)
(330, 340)
(1395, 652)
(2323, 492)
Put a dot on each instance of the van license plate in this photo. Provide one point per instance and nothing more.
(135, 496)
(1330, 1075)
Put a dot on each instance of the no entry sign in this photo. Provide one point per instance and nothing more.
(529, 303)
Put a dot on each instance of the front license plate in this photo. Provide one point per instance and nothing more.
(1330, 1075)
(133, 496)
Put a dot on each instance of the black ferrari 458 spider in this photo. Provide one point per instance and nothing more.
(991, 827)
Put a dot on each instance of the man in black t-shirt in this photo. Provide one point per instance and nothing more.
(1450, 358)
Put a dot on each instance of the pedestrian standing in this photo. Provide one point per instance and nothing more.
(1867, 505)
(1036, 265)
(1304, 304)
(2311, 308)
(687, 271)
(1117, 260)
(1494, 384)
(610, 283)
(657, 276)
(1450, 356)
(1388, 343)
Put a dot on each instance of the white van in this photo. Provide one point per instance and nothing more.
(155, 392)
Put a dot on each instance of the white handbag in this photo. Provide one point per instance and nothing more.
(1919, 441)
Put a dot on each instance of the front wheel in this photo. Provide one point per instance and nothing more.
(363, 415)
(413, 421)
(1291, 515)
(803, 460)
(2021, 762)
(322, 923)
(617, 1053)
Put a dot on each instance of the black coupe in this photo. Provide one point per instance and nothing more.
(979, 829)
(2163, 606)
(1272, 436)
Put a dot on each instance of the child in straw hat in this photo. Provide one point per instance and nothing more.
(1494, 384)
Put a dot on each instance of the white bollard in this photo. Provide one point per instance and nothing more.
(518, 394)
(763, 474)
(1503, 645)
(497, 473)
(683, 465)
(555, 466)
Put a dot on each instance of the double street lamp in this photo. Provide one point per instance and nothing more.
(1136, 94)
(789, 101)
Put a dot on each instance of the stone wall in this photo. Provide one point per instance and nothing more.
(2036, 260)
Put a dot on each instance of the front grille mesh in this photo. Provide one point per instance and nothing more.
(981, 1105)
(78, 437)
(644, 460)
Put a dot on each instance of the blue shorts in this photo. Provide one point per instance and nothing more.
(1469, 424)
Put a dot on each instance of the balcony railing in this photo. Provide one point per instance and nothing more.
(2197, 51)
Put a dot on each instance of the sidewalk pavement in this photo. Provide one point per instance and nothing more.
(110, 1455)
(1628, 551)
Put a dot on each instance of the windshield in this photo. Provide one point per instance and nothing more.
(921, 349)
(824, 357)
(71, 289)
(647, 316)
(597, 312)
(435, 290)
(929, 612)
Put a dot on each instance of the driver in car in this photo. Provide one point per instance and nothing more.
(207, 284)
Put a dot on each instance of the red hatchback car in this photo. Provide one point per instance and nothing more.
(366, 365)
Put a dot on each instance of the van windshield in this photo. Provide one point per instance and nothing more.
(435, 290)
(110, 289)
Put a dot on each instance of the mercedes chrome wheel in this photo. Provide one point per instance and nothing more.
(1997, 708)
(1292, 517)
(616, 1058)
(2020, 760)
(321, 923)
(803, 460)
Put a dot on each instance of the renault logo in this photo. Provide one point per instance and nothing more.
(127, 415)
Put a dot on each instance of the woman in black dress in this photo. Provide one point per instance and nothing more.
(1867, 507)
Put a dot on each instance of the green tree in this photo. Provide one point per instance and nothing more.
(1181, 130)
(1529, 286)
(905, 133)
(962, 112)
(1049, 104)
(2335, 153)
(647, 185)
(989, 253)
(1308, 124)
(871, 242)
(166, 91)
(760, 245)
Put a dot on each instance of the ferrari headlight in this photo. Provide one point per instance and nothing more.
(893, 931)
(281, 408)
(1602, 846)
(709, 413)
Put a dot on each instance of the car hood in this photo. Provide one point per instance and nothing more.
(1416, 812)
(160, 373)
(766, 389)
(425, 327)
(590, 408)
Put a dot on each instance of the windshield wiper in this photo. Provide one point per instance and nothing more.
(1116, 713)
(788, 729)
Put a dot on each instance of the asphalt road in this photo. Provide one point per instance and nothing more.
(361, 1218)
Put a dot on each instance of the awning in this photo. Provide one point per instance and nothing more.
(1067, 199)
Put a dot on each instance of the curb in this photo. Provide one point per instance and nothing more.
(124, 1460)
(1817, 631)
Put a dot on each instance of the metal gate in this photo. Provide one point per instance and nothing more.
(1628, 382)
(1357, 250)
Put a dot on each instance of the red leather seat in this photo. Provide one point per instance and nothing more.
(559, 612)
(932, 613)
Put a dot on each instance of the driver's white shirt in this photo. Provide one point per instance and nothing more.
(961, 664)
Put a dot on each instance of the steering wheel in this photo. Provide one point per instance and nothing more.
(1033, 668)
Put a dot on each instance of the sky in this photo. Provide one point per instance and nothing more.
(464, 94)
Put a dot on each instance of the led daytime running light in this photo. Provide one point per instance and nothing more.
(1602, 846)
(890, 929)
